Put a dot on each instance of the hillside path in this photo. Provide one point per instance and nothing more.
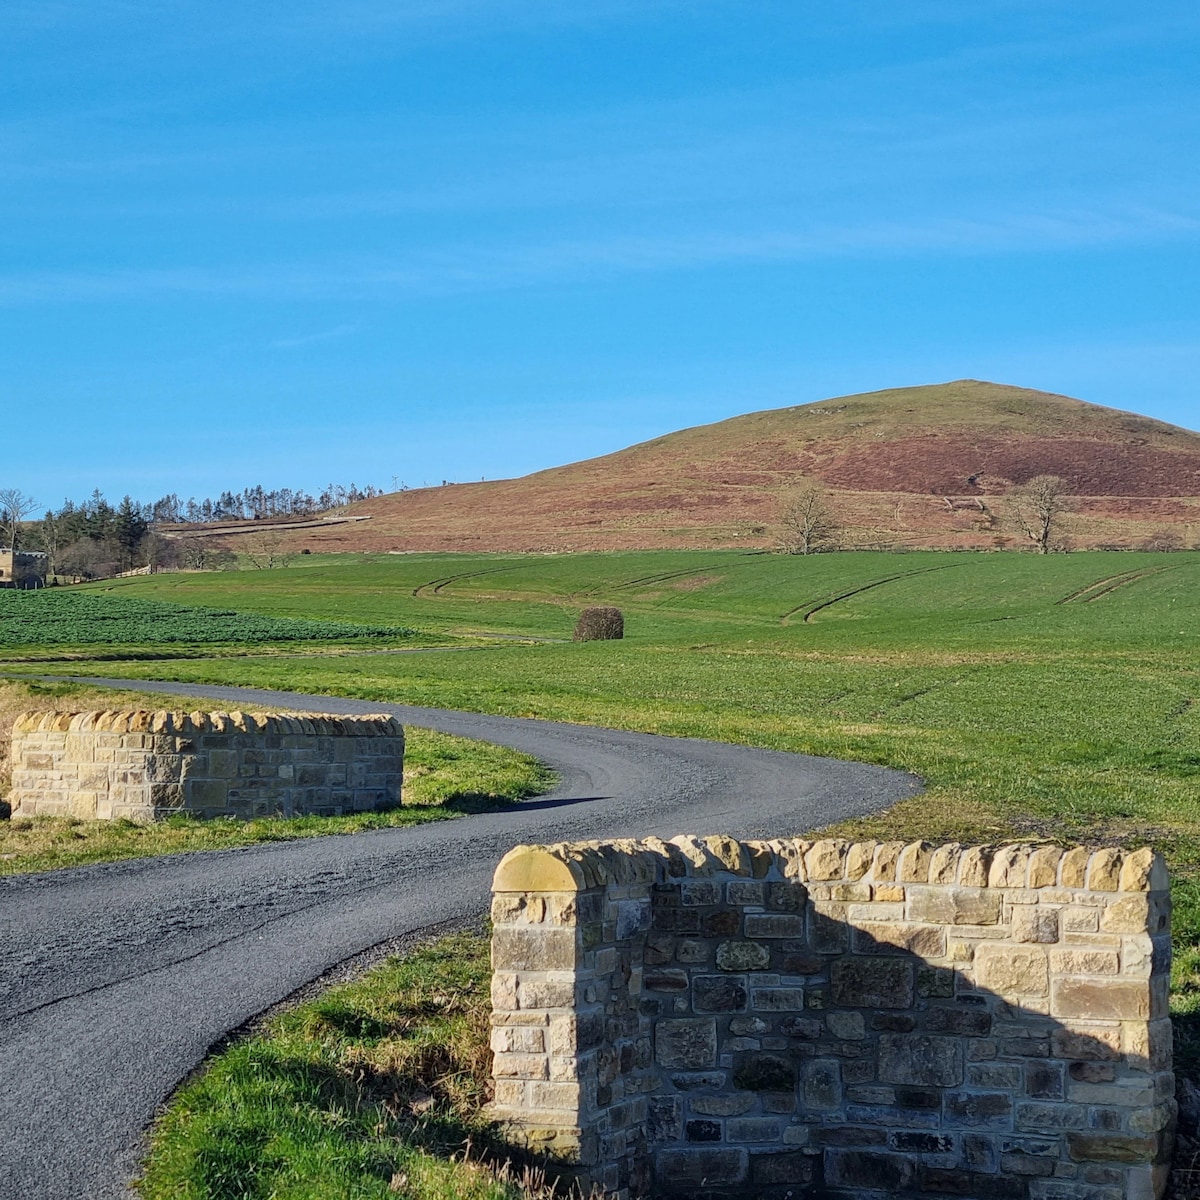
(116, 980)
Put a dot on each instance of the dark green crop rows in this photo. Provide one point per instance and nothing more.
(69, 618)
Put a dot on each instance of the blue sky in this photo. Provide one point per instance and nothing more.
(416, 240)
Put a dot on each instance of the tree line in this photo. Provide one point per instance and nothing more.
(95, 539)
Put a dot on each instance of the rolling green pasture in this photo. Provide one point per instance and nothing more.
(1037, 697)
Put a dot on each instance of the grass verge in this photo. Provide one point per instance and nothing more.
(444, 776)
(373, 1091)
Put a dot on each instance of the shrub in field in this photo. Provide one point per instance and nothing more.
(600, 624)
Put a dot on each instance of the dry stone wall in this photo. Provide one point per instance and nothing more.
(707, 1017)
(147, 765)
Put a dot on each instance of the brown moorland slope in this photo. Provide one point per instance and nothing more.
(918, 466)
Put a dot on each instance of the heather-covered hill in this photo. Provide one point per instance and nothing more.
(908, 466)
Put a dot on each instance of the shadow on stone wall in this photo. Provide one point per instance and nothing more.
(722, 1035)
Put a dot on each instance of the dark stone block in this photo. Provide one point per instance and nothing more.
(806, 1028)
(968, 1022)
(978, 1151)
(701, 1081)
(786, 1167)
(918, 1098)
(670, 980)
(722, 923)
(893, 1022)
(867, 1169)
(764, 1073)
(1044, 1081)
(719, 993)
(873, 983)
(682, 1172)
(677, 920)
(980, 1110)
(801, 963)
(848, 1135)
(786, 897)
(921, 1143)
(944, 1181)
(703, 1131)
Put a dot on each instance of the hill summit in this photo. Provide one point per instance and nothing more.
(917, 466)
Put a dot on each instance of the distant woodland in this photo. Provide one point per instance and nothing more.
(95, 539)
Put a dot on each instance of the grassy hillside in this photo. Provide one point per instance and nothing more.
(919, 466)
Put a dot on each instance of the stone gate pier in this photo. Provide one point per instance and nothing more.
(147, 765)
(713, 1018)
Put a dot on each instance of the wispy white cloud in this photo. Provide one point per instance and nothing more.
(309, 339)
(470, 268)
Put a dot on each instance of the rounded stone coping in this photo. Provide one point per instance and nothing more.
(174, 721)
(578, 866)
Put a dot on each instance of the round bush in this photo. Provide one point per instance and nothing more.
(599, 625)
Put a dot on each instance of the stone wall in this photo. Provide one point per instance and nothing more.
(706, 1017)
(148, 765)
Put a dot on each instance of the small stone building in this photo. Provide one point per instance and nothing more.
(23, 568)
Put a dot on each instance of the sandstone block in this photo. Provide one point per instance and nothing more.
(954, 905)
(1012, 971)
(533, 948)
(1130, 914)
(915, 860)
(826, 859)
(1085, 961)
(1010, 867)
(974, 867)
(1043, 866)
(886, 861)
(774, 925)
(1032, 923)
(1104, 871)
(1143, 871)
(1072, 872)
(925, 941)
(1100, 1000)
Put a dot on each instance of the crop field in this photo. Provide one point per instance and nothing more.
(1054, 697)
(62, 617)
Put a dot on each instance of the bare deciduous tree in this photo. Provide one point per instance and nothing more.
(1039, 506)
(15, 506)
(809, 524)
(266, 549)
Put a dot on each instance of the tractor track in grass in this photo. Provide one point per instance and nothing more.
(117, 979)
(1110, 583)
(811, 611)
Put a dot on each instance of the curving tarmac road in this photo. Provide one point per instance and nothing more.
(116, 980)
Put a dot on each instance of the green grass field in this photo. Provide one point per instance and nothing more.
(1038, 697)
(61, 617)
